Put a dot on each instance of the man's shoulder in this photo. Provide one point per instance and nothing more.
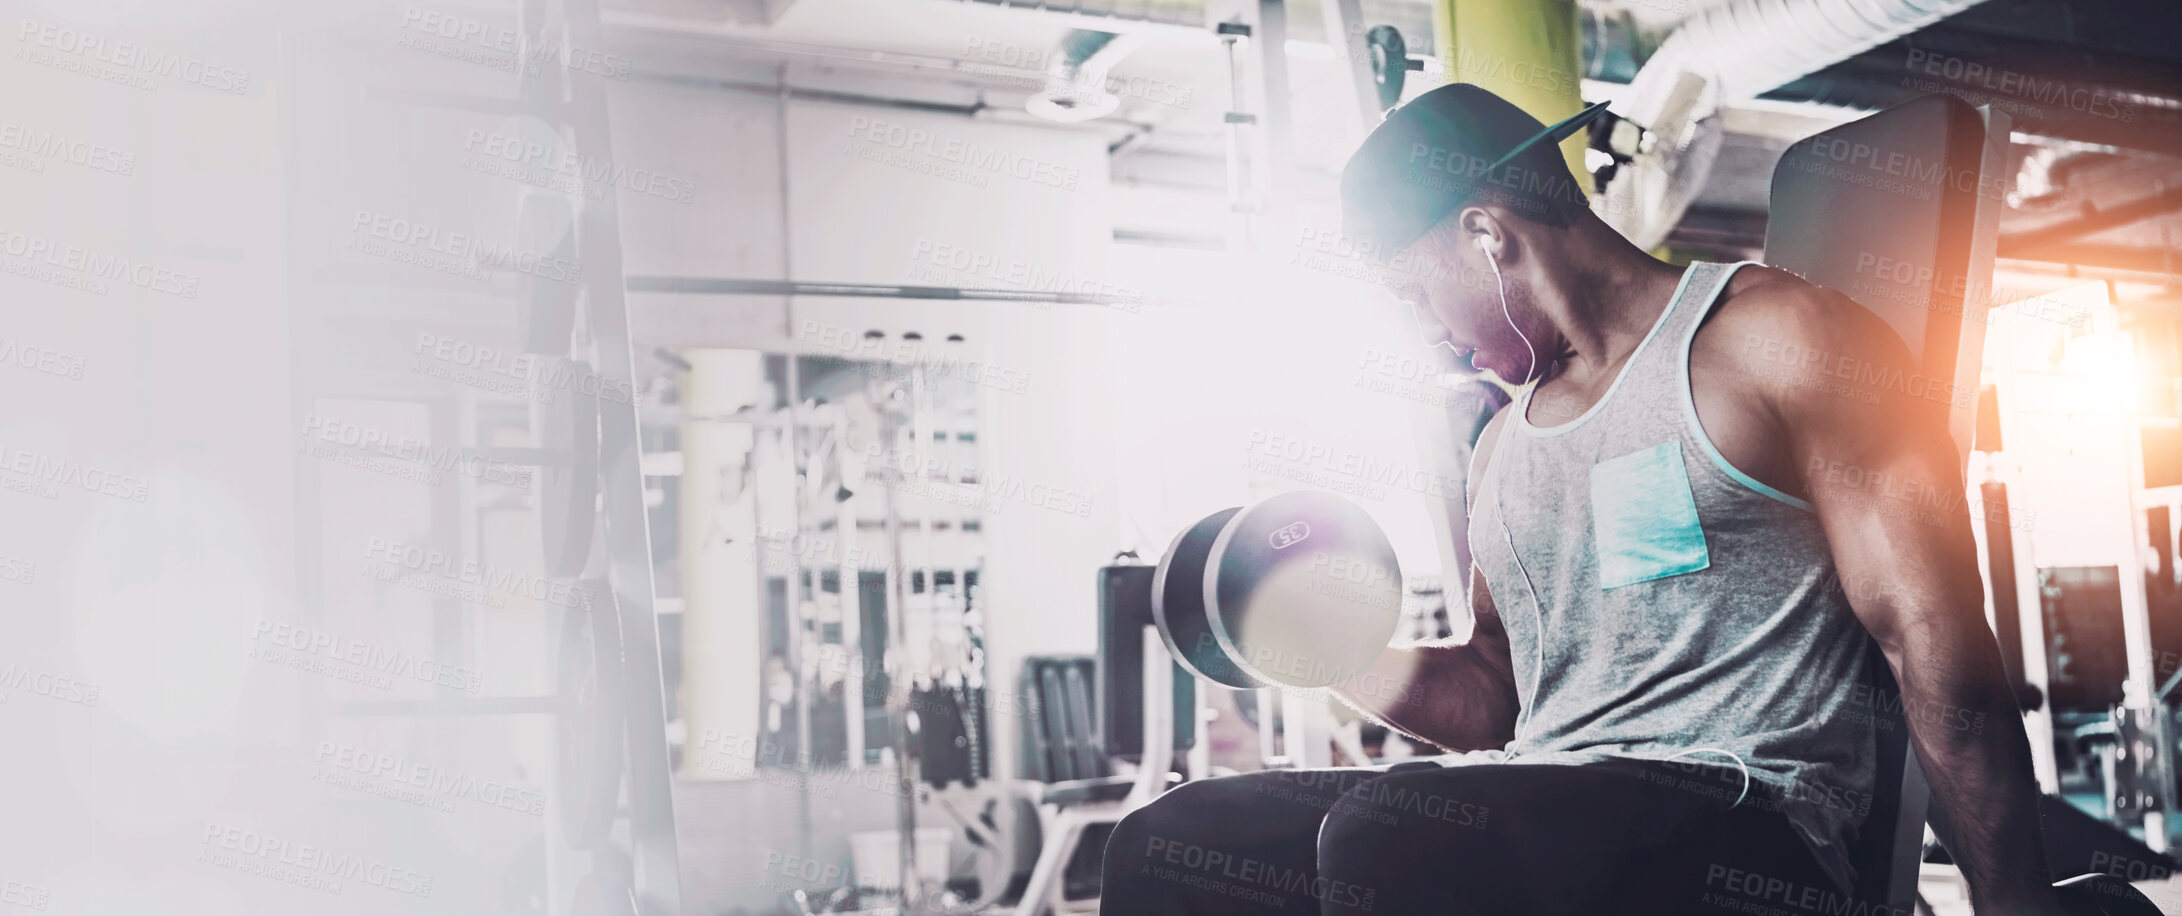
(1764, 303)
(1770, 323)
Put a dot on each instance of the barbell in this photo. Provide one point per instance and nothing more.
(1299, 590)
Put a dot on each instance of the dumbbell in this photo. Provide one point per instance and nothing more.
(1300, 590)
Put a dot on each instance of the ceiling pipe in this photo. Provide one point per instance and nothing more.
(1075, 84)
(1746, 47)
(1666, 132)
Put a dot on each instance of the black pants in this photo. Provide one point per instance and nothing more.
(1617, 838)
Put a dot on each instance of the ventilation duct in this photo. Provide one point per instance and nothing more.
(1075, 88)
(1727, 54)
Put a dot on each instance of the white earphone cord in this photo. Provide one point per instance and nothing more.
(1484, 245)
(1538, 607)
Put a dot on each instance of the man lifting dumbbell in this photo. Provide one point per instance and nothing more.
(1659, 703)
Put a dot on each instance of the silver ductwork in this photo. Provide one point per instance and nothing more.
(1746, 47)
(1075, 87)
(1723, 55)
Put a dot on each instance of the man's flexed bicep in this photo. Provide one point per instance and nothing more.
(1458, 693)
(1866, 432)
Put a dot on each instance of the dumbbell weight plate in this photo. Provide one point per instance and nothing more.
(544, 221)
(1178, 604)
(589, 731)
(1303, 589)
(568, 488)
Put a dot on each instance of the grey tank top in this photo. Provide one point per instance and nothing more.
(1662, 604)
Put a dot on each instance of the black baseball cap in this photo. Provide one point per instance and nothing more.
(1455, 145)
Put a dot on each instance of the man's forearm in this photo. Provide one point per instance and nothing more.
(1444, 693)
(1970, 739)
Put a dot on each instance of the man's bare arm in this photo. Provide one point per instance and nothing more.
(1457, 693)
(1872, 449)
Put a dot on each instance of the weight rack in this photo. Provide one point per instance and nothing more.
(352, 317)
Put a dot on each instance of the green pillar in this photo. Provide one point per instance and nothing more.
(1526, 51)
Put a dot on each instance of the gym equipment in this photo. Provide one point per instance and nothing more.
(589, 743)
(1060, 744)
(352, 320)
(1390, 64)
(951, 734)
(1080, 802)
(2086, 658)
(568, 484)
(1125, 609)
(1300, 590)
(1178, 605)
(1945, 229)
(2103, 895)
(547, 322)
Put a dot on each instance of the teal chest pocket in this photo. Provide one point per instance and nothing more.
(1643, 520)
